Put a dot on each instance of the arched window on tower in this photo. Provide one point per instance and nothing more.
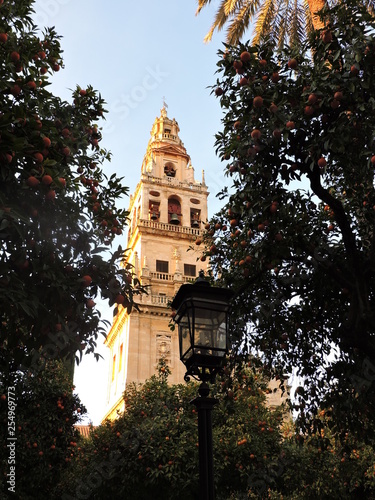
(154, 210)
(195, 218)
(169, 170)
(174, 211)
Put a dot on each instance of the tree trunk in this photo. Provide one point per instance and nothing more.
(315, 6)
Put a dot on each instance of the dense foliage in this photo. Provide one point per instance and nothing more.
(151, 451)
(45, 439)
(295, 239)
(57, 206)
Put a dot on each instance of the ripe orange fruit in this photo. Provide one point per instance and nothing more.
(32, 181)
(39, 157)
(338, 95)
(90, 303)
(312, 99)
(278, 237)
(31, 84)
(273, 108)
(3, 37)
(290, 125)
(51, 195)
(120, 299)
(46, 142)
(326, 36)
(276, 133)
(47, 179)
(273, 208)
(292, 63)
(256, 134)
(16, 90)
(322, 162)
(219, 91)
(258, 101)
(245, 56)
(15, 57)
(86, 280)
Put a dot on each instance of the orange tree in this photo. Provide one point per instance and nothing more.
(151, 451)
(41, 428)
(322, 466)
(295, 238)
(57, 206)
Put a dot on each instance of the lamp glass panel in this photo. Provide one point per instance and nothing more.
(184, 333)
(210, 332)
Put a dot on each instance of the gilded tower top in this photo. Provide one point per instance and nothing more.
(166, 153)
(166, 130)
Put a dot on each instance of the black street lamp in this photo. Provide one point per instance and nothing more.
(202, 319)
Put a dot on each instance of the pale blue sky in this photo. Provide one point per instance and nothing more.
(136, 53)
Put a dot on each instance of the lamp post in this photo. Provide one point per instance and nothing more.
(202, 319)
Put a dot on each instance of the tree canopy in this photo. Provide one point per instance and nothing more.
(39, 439)
(295, 239)
(58, 208)
(150, 452)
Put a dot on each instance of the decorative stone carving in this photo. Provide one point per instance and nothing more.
(163, 347)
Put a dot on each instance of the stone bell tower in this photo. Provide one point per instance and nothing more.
(167, 212)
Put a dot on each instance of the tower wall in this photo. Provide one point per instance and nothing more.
(167, 212)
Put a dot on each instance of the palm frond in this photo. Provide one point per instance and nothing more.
(240, 22)
(265, 20)
(370, 6)
(201, 4)
(309, 27)
(231, 6)
(220, 19)
(279, 29)
(296, 29)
